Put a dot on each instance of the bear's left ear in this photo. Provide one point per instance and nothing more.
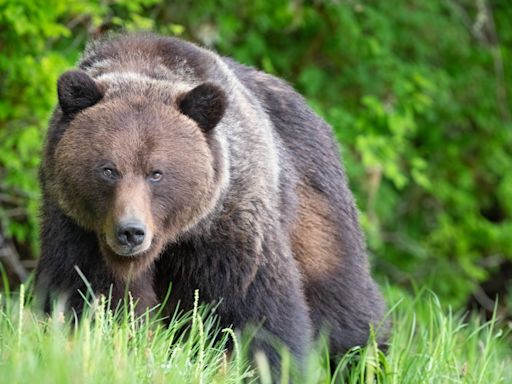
(77, 91)
(205, 104)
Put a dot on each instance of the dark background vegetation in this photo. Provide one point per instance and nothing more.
(418, 93)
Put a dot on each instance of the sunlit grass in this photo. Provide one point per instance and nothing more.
(430, 344)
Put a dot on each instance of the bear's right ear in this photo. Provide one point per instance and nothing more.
(205, 104)
(77, 91)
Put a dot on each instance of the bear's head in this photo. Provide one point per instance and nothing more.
(138, 168)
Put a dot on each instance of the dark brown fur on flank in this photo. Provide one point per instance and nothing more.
(234, 184)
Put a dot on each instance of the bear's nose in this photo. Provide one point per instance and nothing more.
(131, 233)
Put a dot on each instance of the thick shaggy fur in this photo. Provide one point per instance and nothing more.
(257, 216)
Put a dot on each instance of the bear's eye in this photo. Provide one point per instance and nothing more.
(156, 176)
(109, 173)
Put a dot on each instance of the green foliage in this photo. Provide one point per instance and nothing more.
(113, 346)
(430, 344)
(415, 90)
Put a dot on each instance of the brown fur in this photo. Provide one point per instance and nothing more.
(253, 209)
(315, 243)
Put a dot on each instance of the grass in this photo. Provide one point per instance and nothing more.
(430, 344)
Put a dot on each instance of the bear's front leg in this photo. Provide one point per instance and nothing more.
(275, 305)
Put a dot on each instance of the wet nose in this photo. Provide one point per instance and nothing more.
(131, 233)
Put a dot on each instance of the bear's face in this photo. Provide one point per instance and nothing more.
(137, 170)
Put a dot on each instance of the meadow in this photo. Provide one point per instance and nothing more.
(429, 344)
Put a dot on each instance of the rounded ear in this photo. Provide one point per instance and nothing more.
(77, 91)
(205, 104)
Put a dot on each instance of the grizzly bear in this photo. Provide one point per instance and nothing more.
(166, 163)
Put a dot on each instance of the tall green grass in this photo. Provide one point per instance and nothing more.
(429, 344)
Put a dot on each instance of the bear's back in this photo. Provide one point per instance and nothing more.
(310, 144)
(146, 54)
